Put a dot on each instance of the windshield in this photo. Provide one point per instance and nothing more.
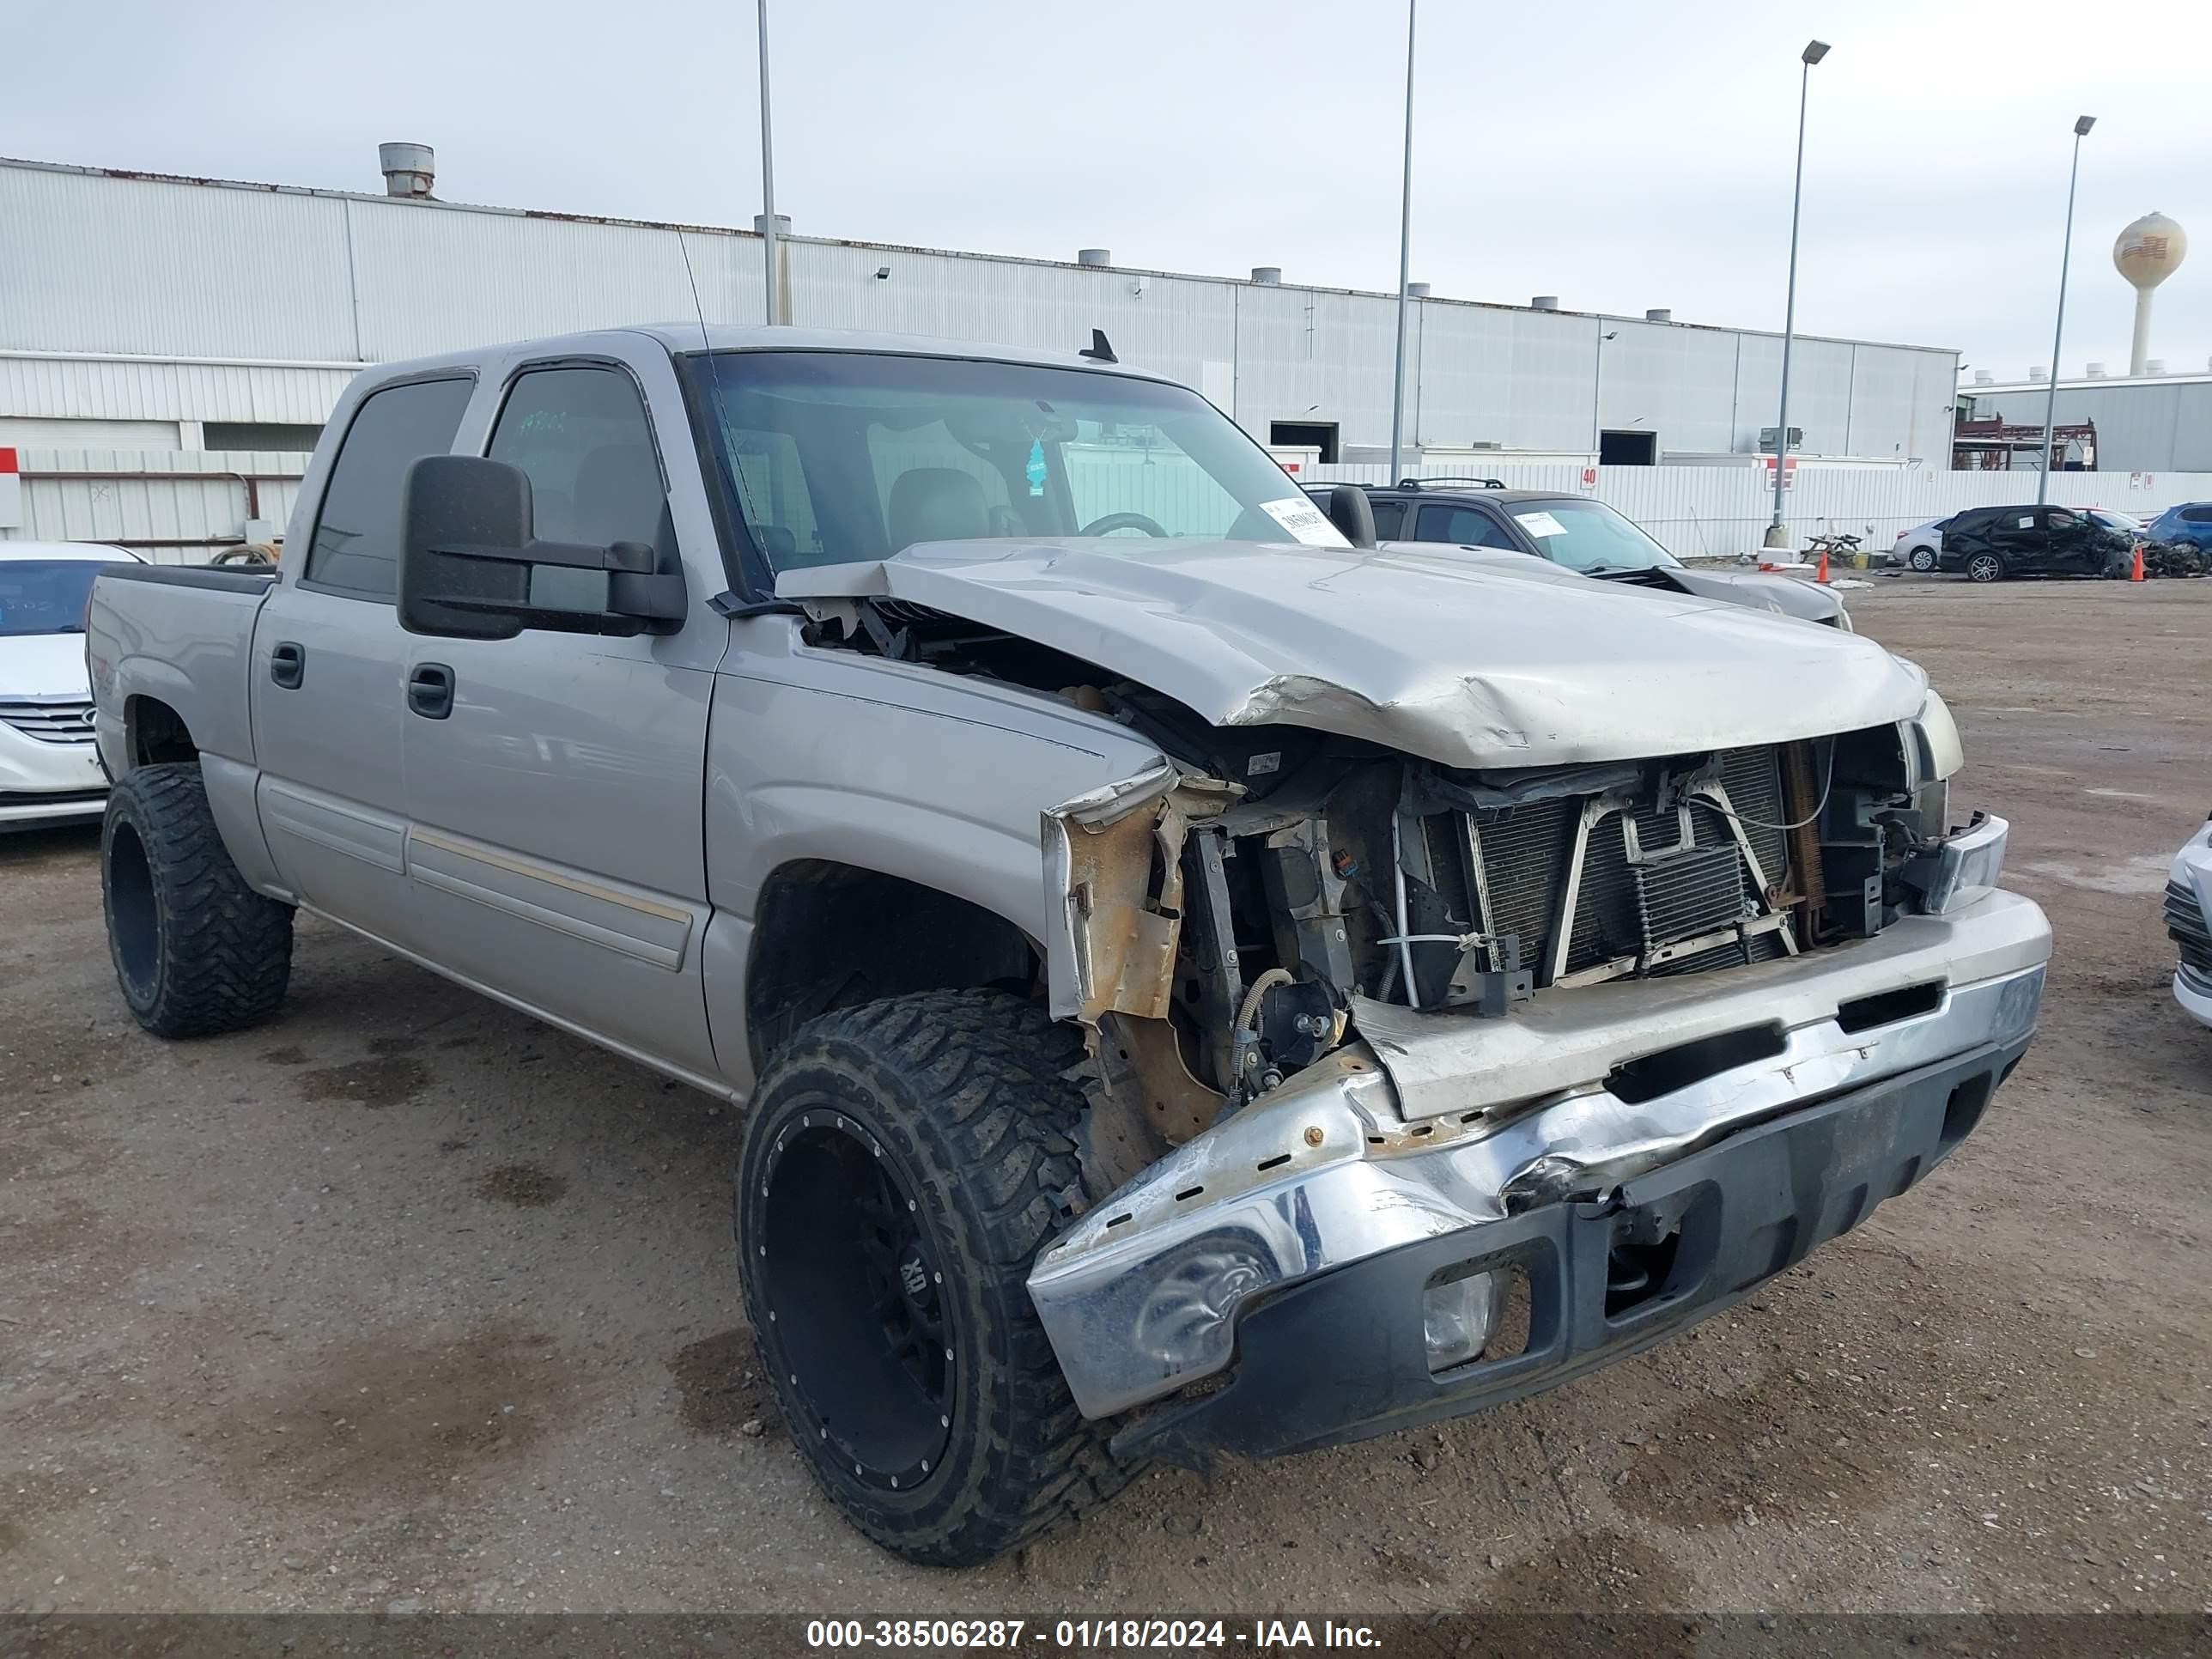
(2120, 521)
(46, 596)
(1589, 536)
(834, 457)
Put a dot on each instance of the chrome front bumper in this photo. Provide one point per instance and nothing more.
(1440, 1123)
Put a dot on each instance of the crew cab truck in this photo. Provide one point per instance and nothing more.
(1198, 983)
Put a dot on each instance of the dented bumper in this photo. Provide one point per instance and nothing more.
(1451, 1130)
(1344, 1356)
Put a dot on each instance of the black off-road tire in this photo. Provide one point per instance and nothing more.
(196, 952)
(955, 1103)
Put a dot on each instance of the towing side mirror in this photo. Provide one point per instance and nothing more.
(1350, 511)
(471, 569)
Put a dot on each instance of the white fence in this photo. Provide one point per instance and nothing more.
(176, 507)
(179, 507)
(1700, 512)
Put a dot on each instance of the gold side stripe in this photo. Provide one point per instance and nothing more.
(539, 873)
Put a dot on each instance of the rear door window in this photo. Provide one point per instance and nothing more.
(581, 436)
(355, 549)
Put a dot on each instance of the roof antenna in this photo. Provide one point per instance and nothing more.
(1099, 348)
(727, 604)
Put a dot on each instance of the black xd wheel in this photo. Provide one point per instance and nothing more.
(902, 1162)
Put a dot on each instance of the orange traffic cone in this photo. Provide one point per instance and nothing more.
(1821, 575)
(2137, 575)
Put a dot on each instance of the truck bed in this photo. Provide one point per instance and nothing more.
(183, 635)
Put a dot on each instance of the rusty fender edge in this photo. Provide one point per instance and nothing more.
(1113, 877)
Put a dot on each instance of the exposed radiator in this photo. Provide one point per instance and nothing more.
(1680, 890)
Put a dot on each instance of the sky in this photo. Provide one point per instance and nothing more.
(1620, 155)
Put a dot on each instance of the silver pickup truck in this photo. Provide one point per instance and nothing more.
(1199, 983)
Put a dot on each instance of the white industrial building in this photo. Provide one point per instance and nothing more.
(2153, 422)
(140, 312)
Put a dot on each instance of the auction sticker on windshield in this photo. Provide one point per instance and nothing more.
(1305, 522)
(1540, 523)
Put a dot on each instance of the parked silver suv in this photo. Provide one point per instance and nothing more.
(1191, 978)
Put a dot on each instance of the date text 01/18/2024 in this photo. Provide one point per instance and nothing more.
(1261, 1636)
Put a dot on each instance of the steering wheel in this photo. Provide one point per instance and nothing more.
(1114, 521)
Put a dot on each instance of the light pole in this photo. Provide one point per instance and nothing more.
(2081, 126)
(767, 170)
(1597, 394)
(1776, 535)
(1404, 257)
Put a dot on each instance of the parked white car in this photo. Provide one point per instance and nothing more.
(1919, 546)
(49, 769)
(2189, 924)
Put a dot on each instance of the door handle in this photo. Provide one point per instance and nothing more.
(430, 690)
(287, 664)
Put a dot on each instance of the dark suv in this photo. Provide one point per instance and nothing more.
(1573, 531)
(1989, 543)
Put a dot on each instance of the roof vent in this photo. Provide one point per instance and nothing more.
(1659, 315)
(2096, 371)
(1983, 376)
(1419, 290)
(2154, 366)
(782, 224)
(409, 170)
(1094, 256)
(1267, 276)
(2039, 373)
(1545, 302)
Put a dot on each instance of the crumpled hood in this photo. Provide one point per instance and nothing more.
(1460, 661)
(1787, 596)
(43, 665)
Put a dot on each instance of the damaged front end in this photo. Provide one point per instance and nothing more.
(1350, 1008)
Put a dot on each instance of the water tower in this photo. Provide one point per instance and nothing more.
(2148, 252)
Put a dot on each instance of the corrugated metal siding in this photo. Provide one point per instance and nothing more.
(1687, 377)
(81, 389)
(497, 277)
(2146, 428)
(1711, 512)
(113, 264)
(1521, 379)
(127, 264)
(148, 504)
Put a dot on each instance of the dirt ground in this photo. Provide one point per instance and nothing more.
(404, 1301)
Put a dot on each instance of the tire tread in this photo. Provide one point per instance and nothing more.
(991, 1071)
(225, 950)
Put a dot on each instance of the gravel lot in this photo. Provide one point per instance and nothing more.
(405, 1301)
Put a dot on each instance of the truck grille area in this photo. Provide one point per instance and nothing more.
(1649, 879)
(50, 719)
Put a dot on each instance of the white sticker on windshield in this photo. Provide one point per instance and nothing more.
(1540, 523)
(1304, 521)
